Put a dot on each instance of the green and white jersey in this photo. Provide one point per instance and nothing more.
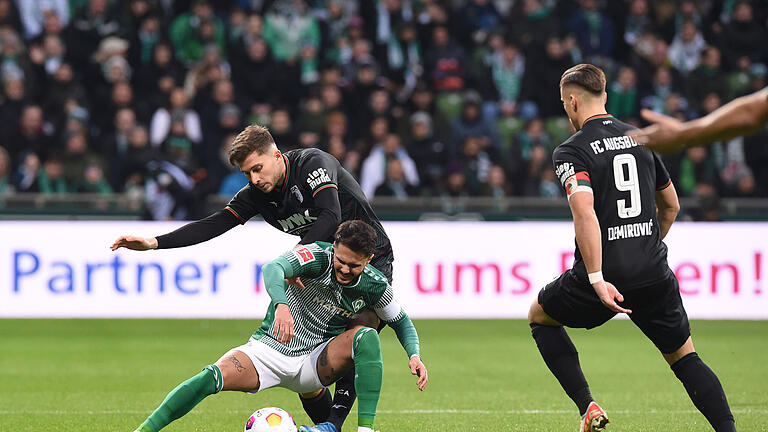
(323, 309)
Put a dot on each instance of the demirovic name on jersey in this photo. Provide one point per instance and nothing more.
(322, 310)
(624, 178)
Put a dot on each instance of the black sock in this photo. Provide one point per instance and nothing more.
(563, 360)
(343, 399)
(318, 408)
(705, 391)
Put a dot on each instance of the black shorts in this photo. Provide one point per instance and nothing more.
(657, 309)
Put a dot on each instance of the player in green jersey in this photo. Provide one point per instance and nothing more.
(303, 343)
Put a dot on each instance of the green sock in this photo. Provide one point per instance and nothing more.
(183, 398)
(368, 374)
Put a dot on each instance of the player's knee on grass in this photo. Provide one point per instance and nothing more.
(366, 318)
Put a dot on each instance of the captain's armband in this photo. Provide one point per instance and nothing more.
(579, 182)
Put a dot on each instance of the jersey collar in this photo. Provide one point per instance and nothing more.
(287, 172)
(595, 117)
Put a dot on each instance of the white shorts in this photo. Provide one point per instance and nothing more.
(275, 369)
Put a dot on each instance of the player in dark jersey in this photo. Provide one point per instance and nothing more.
(623, 204)
(304, 192)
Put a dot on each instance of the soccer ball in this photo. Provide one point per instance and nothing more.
(270, 419)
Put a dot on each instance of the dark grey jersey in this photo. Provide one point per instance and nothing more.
(624, 178)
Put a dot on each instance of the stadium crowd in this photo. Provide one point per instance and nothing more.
(414, 97)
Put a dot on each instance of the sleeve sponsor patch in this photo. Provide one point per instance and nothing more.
(304, 255)
(578, 182)
(318, 177)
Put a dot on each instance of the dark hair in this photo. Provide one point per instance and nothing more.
(356, 235)
(253, 138)
(589, 77)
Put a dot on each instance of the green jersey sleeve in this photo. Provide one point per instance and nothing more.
(308, 260)
(390, 311)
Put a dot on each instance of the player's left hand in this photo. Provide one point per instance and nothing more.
(418, 369)
(610, 296)
(662, 135)
(296, 281)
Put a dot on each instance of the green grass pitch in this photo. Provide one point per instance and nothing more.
(108, 375)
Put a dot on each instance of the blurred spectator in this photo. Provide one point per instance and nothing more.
(661, 87)
(395, 185)
(14, 64)
(91, 23)
(706, 78)
(544, 89)
(404, 55)
(428, 153)
(144, 39)
(133, 165)
(508, 74)
(623, 101)
(593, 30)
(456, 182)
(254, 72)
(496, 186)
(116, 145)
(33, 14)
(161, 67)
(6, 170)
(63, 88)
(685, 50)
(475, 163)
(27, 174)
(697, 166)
(178, 106)
(281, 128)
(534, 28)
(32, 135)
(12, 102)
(93, 180)
(169, 192)
(478, 17)
(445, 62)
(232, 180)
(311, 118)
(374, 169)
(744, 36)
(289, 25)
(472, 123)
(336, 127)
(192, 32)
(638, 23)
(51, 178)
(521, 158)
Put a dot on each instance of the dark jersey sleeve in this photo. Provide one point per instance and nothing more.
(571, 170)
(662, 175)
(198, 231)
(242, 205)
(319, 174)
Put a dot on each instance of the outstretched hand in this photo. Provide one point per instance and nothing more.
(418, 369)
(610, 296)
(134, 243)
(663, 135)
